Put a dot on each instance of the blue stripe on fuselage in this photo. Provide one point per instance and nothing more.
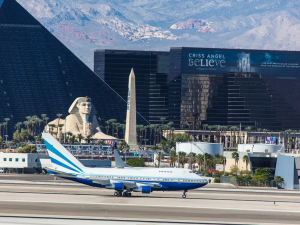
(166, 185)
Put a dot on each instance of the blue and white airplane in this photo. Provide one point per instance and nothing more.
(123, 179)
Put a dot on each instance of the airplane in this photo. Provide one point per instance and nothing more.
(123, 179)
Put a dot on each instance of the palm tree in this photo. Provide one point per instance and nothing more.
(173, 158)
(6, 122)
(0, 129)
(170, 124)
(246, 160)
(70, 134)
(3, 125)
(192, 157)
(200, 161)
(146, 130)
(43, 116)
(60, 128)
(295, 138)
(39, 121)
(107, 126)
(151, 131)
(172, 133)
(234, 128)
(282, 133)
(217, 158)
(259, 130)
(123, 127)
(142, 129)
(209, 161)
(162, 119)
(58, 116)
(117, 126)
(248, 129)
(88, 138)
(210, 129)
(159, 158)
(79, 137)
(222, 160)
(155, 129)
(182, 158)
(26, 123)
(138, 132)
(112, 122)
(204, 127)
(224, 129)
(46, 119)
(235, 156)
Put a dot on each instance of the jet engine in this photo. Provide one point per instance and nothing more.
(116, 186)
(143, 189)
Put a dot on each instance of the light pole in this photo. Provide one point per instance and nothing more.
(6, 136)
(65, 130)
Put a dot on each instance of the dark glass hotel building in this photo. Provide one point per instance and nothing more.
(196, 86)
(151, 71)
(234, 87)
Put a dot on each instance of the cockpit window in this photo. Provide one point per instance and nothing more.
(191, 172)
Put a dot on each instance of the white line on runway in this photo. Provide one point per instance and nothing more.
(143, 205)
(247, 190)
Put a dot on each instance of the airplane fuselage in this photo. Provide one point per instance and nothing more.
(161, 179)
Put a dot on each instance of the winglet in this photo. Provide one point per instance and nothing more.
(118, 160)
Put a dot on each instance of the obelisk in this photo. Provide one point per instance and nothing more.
(130, 132)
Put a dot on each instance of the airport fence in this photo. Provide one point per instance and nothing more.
(228, 180)
(249, 183)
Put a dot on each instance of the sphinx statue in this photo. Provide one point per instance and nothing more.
(82, 120)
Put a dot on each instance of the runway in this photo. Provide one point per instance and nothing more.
(201, 206)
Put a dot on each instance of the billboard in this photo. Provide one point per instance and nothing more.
(221, 61)
(271, 140)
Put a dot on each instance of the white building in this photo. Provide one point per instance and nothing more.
(200, 148)
(21, 162)
(263, 148)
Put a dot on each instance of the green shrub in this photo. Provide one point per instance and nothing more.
(217, 180)
(218, 174)
(136, 162)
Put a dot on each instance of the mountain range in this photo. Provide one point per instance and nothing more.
(86, 25)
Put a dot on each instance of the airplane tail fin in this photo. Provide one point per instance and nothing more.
(118, 160)
(61, 159)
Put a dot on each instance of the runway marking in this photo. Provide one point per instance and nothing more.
(248, 190)
(143, 205)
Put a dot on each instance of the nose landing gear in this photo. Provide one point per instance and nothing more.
(184, 194)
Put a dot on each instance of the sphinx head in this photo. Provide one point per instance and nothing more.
(82, 106)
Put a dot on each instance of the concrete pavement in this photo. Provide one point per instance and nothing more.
(202, 206)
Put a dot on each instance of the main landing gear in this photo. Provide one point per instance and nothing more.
(184, 194)
(124, 194)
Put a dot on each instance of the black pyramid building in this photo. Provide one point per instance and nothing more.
(38, 74)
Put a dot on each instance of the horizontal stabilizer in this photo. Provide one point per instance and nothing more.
(118, 160)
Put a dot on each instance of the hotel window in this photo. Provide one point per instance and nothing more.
(17, 159)
(10, 159)
(23, 160)
(4, 159)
